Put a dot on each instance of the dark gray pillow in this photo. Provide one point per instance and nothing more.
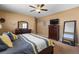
(3, 46)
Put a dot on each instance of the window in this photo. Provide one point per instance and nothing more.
(23, 25)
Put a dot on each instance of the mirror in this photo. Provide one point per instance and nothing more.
(22, 25)
(69, 33)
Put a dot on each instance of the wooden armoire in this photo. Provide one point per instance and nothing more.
(54, 29)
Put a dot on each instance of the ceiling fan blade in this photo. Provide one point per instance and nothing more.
(32, 6)
(38, 5)
(41, 5)
(32, 10)
(44, 9)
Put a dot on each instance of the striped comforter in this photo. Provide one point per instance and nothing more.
(27, 44)
(38, 43)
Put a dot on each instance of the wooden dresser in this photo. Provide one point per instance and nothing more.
(22, 31)
(54, 31)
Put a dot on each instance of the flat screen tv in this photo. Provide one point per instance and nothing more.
(54, 21)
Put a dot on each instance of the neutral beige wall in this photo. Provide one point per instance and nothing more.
(71, 14)
(12, 19)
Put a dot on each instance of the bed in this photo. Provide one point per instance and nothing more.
(29, 44)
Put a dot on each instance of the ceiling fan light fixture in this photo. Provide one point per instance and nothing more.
(38, 10)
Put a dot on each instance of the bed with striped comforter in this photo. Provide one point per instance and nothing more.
(28, 44)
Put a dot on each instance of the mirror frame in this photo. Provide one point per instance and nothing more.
(22, 22)
(75, 40)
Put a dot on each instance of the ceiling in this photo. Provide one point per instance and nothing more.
(25, 9)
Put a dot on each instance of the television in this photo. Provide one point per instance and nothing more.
(54, 21)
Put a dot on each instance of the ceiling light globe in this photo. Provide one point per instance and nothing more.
(38, 10)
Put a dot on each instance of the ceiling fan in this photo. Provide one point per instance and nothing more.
(38, 8)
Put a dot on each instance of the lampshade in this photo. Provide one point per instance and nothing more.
(2, 20)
